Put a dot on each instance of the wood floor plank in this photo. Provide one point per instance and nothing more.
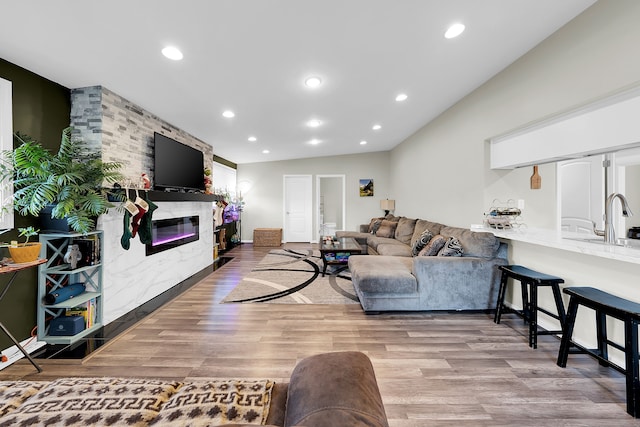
(434, 369)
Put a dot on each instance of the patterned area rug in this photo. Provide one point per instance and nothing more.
(134, 402)
(294, 277)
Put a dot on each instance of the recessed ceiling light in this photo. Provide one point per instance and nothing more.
(376, 127)
(172, 52)
(312, 82)
(363, 142)
(265, 151)
(314, 123)
(454, 31)
(252, 139)
(228, 114)
(314, 141)
(401, 97)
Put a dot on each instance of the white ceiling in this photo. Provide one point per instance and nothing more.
(252, 56)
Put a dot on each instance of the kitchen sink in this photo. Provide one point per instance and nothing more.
(623, 242)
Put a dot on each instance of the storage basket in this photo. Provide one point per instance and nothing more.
(267, 237)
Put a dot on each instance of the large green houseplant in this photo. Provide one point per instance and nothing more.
(71, 181)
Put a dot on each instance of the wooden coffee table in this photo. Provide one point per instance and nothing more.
(337, 252)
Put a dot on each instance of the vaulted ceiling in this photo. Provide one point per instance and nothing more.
(252, 57)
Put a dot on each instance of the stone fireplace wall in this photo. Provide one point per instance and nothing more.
(123, 132)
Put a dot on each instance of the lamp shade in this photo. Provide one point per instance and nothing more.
(387, 205)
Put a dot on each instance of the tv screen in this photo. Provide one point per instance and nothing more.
(177, 166)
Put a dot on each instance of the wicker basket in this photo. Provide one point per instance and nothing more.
(270, 237)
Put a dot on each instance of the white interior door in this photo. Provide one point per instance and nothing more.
(298, 213)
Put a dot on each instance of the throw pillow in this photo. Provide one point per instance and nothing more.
(404, 230)
(451, 248)
(387, 229)
(374, 225)
(475, 244)
(421, 242)
(433, 247)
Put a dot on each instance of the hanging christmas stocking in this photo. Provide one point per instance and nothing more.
(126, 234)
(136, 220)
(146, 222)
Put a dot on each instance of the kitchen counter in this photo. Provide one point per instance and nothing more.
(569, 241)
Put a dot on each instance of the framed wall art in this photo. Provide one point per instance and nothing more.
(366, 188)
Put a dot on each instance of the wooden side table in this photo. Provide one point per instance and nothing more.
(15, 269)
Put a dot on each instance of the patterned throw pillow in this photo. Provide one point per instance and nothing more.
(421, 242)
(374, 225)
(434, 246)
(387, 229)
(451, 248)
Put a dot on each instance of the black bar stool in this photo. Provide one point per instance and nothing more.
(605, 304)
(530, 280)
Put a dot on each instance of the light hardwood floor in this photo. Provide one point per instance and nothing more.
(433, 369)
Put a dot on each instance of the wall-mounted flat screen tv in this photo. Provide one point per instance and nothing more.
(177, 166)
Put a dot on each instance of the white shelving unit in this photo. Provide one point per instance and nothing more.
(55, 274)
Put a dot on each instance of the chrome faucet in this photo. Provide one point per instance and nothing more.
(609, 233)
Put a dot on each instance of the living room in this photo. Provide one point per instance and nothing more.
(441, 173)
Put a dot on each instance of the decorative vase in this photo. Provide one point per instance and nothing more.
(25, 252)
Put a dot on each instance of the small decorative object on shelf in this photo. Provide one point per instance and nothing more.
(73, 255)
(146, 182)
(208, 182)
(503, 215)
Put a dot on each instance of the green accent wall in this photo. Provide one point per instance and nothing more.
(41, 109)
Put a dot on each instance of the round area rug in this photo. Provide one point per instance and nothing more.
(294, 277)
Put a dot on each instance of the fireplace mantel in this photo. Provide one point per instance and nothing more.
(175, 196)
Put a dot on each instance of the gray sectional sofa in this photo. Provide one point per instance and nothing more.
(406, 274)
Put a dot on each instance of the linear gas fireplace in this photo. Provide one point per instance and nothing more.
(173, 232)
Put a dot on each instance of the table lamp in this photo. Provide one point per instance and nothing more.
(387, 205)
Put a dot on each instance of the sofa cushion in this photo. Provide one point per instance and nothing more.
(423, 224)
(474, 243)
(387, 229)
(393, 249)
(404, 230)
(433, 247)
(335, 389)
(383, 274)
(451, 248)
(375, 241)
(421, 242)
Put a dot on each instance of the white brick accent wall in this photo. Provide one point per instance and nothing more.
(123, 131)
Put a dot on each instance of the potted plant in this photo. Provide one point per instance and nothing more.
(69, 183)
(25, 252)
